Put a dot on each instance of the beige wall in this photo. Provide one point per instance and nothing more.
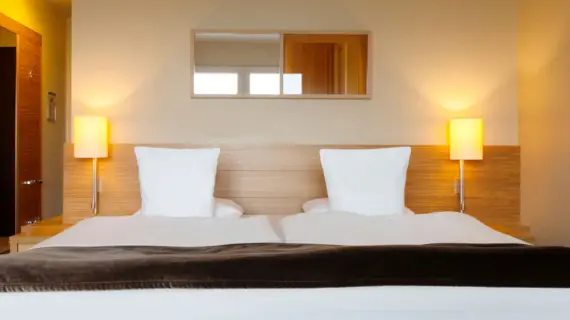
(7, 38)
(48, 20)
(544, 94)
(237, 54)
(131, 62)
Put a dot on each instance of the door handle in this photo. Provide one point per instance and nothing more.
(33, 221)
(32, 182)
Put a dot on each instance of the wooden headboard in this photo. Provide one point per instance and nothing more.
(278, 179)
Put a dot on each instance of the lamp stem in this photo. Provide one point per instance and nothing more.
(95, 188)
(462, 186)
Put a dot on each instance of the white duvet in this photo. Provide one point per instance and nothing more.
(349, 229)
(321, 228)
(391, 302)
(158, 231)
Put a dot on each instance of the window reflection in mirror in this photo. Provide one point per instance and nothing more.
(253, 60)
(279, 64)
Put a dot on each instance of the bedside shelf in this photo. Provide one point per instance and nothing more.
(36, 233)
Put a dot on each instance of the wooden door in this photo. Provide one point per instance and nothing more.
(28, 123)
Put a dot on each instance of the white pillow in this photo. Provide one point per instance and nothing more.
(321, 205)
(223, 208)
(367, 181)
(177, 182)
(226, 208)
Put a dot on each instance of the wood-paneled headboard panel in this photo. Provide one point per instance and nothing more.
(278, 179)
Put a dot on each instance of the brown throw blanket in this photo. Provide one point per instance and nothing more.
(284, 266)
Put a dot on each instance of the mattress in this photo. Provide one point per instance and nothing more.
(389, 302)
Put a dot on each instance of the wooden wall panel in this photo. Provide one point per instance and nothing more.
(278, 179)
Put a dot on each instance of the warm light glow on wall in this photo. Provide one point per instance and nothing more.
(467, 81)
(90, 137)
(543, 28)
(466, 139)
(457, 103)
(105, 89)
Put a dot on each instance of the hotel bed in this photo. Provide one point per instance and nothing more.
(366, 302)
(180, 258)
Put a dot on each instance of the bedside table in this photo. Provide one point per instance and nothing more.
(36, 233)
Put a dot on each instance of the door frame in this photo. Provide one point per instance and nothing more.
(23, 32)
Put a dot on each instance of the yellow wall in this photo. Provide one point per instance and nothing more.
(544, 108)
(432, 60)
(49, 20)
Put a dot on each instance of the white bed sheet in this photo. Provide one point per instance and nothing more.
(340, 228)
(391, 302)
(164, 231)
(321, 228)
(386, 303)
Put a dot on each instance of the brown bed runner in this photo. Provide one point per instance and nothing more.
(284, 266)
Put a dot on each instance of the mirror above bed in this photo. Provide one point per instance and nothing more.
(293, 65)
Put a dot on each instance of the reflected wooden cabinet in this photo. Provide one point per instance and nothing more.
(329, 64)
(281, 65)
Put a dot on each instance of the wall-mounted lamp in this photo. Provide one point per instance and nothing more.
(90, 141)
(465, 143)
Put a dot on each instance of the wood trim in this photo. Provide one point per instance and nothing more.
(4, 245)
(286, 96)
(278, 179)
(282, 31)
(370, 65)
(192, 62)
(13, 246)
(27, 246)
(19, 29)
(52, 223)
(281, 63)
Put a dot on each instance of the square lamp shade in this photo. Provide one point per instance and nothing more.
(90, 137)
(466, 139)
